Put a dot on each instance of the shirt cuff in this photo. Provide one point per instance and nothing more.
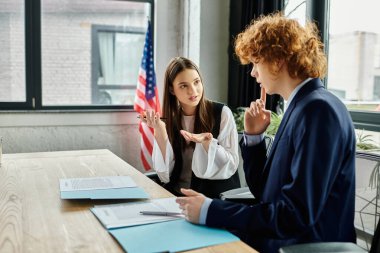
(204, 209)
(252, 140)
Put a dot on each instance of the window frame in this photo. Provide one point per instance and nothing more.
(33, 66)
(95, 55)
(319, 11)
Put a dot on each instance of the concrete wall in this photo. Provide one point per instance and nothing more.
(213, 60)
(205, 41)
(118, 131)
(56, 131)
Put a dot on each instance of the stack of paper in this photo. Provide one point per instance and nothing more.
(165, 233)
(129, 214)
(115, 187)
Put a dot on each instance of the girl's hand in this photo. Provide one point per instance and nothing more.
(152, 119)
(197, 138)
(203, 138)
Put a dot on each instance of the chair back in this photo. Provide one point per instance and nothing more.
(375, 245)
(268, 142)
(367, 200)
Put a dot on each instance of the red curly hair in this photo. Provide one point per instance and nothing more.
(275, 38)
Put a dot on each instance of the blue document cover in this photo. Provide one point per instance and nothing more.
(114, 193)
(170, 236)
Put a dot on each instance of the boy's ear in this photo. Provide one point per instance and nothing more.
(280, 64)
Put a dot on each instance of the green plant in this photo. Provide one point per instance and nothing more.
(275, 121)
(272, 128)
(364, 142)
(239, 118)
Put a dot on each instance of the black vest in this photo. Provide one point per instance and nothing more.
(210, 188)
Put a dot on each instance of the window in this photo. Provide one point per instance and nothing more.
(354, 57)
(296, 9)
(376, 88)
(350, 33)
(115, 51)
(12, 44)
(79, 54)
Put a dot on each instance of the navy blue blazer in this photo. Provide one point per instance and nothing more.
(306, 186)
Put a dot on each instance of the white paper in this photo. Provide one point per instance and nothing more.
(95, 183)
(128, 214)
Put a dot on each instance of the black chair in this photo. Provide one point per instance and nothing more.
(152, 175)
(330, 247)
(368, 175)
(243, 194)
(322, 247)
(240, 195)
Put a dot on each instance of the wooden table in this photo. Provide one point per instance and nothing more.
(33, 218)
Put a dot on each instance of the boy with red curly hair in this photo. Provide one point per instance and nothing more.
(306, 186)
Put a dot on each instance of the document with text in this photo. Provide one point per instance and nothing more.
(111, 187)
(166, 232)
(130, 214)
(95, 183)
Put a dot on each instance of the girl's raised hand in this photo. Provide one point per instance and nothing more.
(152, 119)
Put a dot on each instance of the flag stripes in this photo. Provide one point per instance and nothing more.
(147, 98)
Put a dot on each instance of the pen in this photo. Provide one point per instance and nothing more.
(145, 117)
(160, 213)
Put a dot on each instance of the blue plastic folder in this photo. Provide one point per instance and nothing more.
(114, 193)
(170, 236)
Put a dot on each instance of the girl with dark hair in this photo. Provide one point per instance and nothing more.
(197, 145)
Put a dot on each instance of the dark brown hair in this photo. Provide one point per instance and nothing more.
(274, 38)
(172, 111)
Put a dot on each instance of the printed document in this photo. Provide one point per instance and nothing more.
(128, 214)
(95, 183)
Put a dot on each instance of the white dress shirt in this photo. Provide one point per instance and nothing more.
(221, 160)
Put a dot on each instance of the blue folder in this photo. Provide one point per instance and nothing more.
(170, 236)
(114, 193)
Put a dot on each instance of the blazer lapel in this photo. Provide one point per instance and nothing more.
(305, 90)
(280, 130)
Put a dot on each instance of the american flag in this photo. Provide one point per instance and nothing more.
(147, 98)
